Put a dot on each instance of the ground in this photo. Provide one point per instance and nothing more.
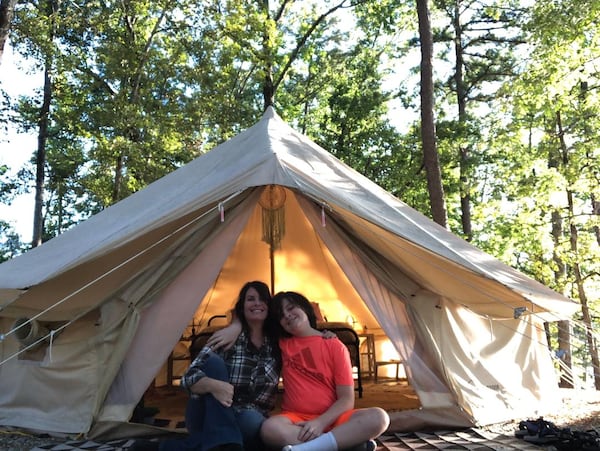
(580, 411)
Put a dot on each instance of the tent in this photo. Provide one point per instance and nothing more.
(111, 297)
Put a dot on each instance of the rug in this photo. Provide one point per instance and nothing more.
(470, 439)
(86, 445)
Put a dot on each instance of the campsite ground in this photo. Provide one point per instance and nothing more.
(580, 411)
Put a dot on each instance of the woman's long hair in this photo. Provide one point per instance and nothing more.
(271, 325)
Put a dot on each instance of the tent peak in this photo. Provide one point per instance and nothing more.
(270, 113)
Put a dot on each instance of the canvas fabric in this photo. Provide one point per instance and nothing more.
(125, 285)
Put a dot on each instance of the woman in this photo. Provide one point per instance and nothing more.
(326, 420)
(232, 390)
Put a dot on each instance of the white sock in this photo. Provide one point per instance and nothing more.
(325, 442)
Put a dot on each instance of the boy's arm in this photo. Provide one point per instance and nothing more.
(226, 337)
(313, 428)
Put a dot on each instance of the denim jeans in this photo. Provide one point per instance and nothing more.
(222, 425)
(249, 422)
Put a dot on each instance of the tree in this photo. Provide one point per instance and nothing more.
(120, 96)
(142, 87)
(354, 126)
(10, 242)
(50, 8)
(431, 159)
(7, 9)
(552, 180)
(482, 37)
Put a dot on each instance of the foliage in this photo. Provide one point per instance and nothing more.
(10, 242)
(549, 220)
(141, 88)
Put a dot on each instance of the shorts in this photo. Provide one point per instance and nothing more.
(296, 417)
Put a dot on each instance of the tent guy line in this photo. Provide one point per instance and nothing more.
(220, 209)
(51, 333)
(530, 311)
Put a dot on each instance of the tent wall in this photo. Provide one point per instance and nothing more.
(58, 386)
(497, 369)
(162, 323)
(304, 263)
(128, 280)
(110, 353)
(453, 356)
(388, 309)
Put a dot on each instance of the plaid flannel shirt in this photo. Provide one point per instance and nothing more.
(254, 373)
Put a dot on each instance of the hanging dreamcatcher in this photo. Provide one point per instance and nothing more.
(272, 201)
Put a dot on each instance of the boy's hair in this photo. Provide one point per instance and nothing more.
(295, 299)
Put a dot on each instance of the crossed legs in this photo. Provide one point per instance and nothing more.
(363, 425)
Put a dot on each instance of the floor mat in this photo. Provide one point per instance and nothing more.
(471, 439)
(86, 445)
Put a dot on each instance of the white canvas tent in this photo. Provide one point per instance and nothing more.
(120, 288)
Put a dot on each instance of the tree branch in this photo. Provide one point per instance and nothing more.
(302, 41)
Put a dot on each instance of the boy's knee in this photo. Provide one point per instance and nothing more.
(374, 419)
(381, 420)
(270, 431)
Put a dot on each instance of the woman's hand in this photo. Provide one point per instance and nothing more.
(226, 337)
(221, 390)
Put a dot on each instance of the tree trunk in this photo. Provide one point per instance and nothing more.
(40, 160)
(573, 240)
(119, 163)
(430, 155)
(464, 151)
(560, 273)
(585, 311)
(596, 212)
(7, 10)
(268, 85)
(564, 353)
(43, 123)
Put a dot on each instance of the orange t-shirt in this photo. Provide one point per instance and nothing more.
(312, 368)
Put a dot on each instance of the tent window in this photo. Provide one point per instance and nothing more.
(34, 338)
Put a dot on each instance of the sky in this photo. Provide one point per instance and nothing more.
(16, 148)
